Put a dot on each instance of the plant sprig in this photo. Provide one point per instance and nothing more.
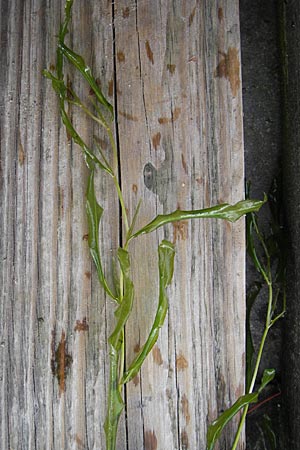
(123, 291)
(268, 257)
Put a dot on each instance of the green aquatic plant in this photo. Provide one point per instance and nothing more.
(101, 111)
(268, 257)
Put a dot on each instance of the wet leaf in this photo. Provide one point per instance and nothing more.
(94, 214)
(215, 429)
(166, 253)
(224, 211)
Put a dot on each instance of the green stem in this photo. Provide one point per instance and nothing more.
(268, 325)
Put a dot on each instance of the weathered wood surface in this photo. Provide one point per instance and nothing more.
(178, 100)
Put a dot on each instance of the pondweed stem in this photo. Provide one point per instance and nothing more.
(124, 288)
(267, 327)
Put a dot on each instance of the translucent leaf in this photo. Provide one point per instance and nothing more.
(124, 309)
(224, 211)
(94, 213)
(166, 253)
(267, 377)
(80, 64)
(215, 429)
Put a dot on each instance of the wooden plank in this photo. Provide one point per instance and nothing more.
(179, 116)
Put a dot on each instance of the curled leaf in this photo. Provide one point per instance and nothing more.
(80, 65)
(224, 211)
(166, 253)
(94, 214)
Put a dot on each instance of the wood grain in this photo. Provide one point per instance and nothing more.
(172, 69)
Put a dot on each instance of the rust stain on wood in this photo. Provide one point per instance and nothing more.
(157, 355)
(220, 14)
(181, 363)
(184, 440)
(85, 237)
(88, 275)
(134, 188)
(171, 68)
(137, 347)
(61, 361)
(21, 153)
(192, 16)
(102, 142)
(79, 442)
(120, 56)
(156, 140)
(126, 12)
(111, 88)
(149, 52)
(129, 116)
(174, 116)
(229, 68)
(136, 380)
(180, 230)
(185, 409)
(150, 440)
(81, 325)
(184, 165)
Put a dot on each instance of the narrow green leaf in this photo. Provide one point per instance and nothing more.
(215, 429)
(60, 88)
(267, 377)
(115, 402)
(166, 253)
(224, 211)
(250, 300)
(94, 213)
(124, 309)
(80, 65)
(251, 227)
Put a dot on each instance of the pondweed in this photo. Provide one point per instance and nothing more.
(268, 256)
(101, 111)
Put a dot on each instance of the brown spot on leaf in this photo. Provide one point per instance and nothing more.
(180, 230)
(136, 380)
(126, 12)
(129, 116)
(111, 88)
(156, 140)
(149, 52)
(85, 237)
(120, 56)
(60, 361)
(171, 68)
(185, 409)
(220, 14)
(192, 16)
(134, 188)
(174, 116)
(157, 355)
(184, 440)
(81, 325)
(21, 154)
(181, 363)
(229, 68)
(88, 275)
(150, 440)
(183, 162)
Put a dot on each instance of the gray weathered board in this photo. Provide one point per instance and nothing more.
(172, 67)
